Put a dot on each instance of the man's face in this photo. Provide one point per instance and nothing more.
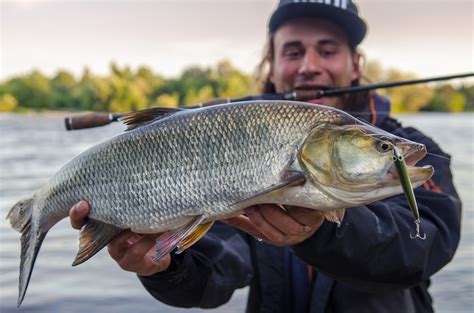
(313, 53)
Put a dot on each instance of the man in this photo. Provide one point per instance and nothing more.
(300, 262)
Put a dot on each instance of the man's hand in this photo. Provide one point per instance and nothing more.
(280, 226)
(133, 252)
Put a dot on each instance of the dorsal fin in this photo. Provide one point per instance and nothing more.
(143, 117)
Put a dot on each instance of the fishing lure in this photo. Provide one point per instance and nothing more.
(402, 170)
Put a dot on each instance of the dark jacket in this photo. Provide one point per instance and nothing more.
(368, 264)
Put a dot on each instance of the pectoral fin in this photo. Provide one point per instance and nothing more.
(93, 237)
(170, 239)
(290, 179)
(335, 216)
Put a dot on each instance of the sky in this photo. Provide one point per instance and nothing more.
(424, 37)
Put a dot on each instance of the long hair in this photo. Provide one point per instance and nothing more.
(355, 103)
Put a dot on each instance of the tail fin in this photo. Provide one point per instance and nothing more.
(20, 217)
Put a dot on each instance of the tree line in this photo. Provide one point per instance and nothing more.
(126, 90)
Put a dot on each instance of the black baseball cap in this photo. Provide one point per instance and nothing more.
(342, 12)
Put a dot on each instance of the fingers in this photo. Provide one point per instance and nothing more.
(243, 223)
(121, 243)
(264, 226)
(281, 227)
(308, 217)
(78, 214)
(282, 220)
(135, 253)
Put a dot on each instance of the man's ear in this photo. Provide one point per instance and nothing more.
(356, 66)
(270, 74)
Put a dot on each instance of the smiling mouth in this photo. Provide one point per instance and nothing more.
(315, 101)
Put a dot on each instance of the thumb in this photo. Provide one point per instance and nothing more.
(78, 214)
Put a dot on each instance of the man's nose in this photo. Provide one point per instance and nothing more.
(310, 64)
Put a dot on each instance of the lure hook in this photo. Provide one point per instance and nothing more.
(417, 235)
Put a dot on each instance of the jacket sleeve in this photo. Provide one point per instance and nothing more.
(206, 274)
(372, 250)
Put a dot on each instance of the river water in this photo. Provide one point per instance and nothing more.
(34, 147)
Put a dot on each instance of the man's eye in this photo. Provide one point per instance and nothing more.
(293, 53)
(327, 53)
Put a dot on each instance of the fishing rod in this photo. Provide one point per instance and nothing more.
(100, 119)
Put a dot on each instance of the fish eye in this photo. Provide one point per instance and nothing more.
(383, 146)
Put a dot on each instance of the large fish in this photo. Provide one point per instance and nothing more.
(178, 172)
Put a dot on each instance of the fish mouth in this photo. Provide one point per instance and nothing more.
(412, 153)
(415, 155)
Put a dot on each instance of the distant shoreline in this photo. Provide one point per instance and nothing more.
(47, 113)
(60, 113)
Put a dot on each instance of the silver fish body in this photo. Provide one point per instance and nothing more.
(194, 162)
(196, 166)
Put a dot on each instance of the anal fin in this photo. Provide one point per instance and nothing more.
(93, 237)
(194, 236)
(170, 239)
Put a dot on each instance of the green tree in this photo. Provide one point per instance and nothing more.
(468, 92)
(63, 93)
(102, 90)
(32, 90)
(457, 102)
(192, 80)
(124, 72)
(230, 82)
(408, 98)
(446, 98)
(85, 94)
(167, 101)
(8, 103)
(198, 96)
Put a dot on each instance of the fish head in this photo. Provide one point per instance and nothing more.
(354, 163)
